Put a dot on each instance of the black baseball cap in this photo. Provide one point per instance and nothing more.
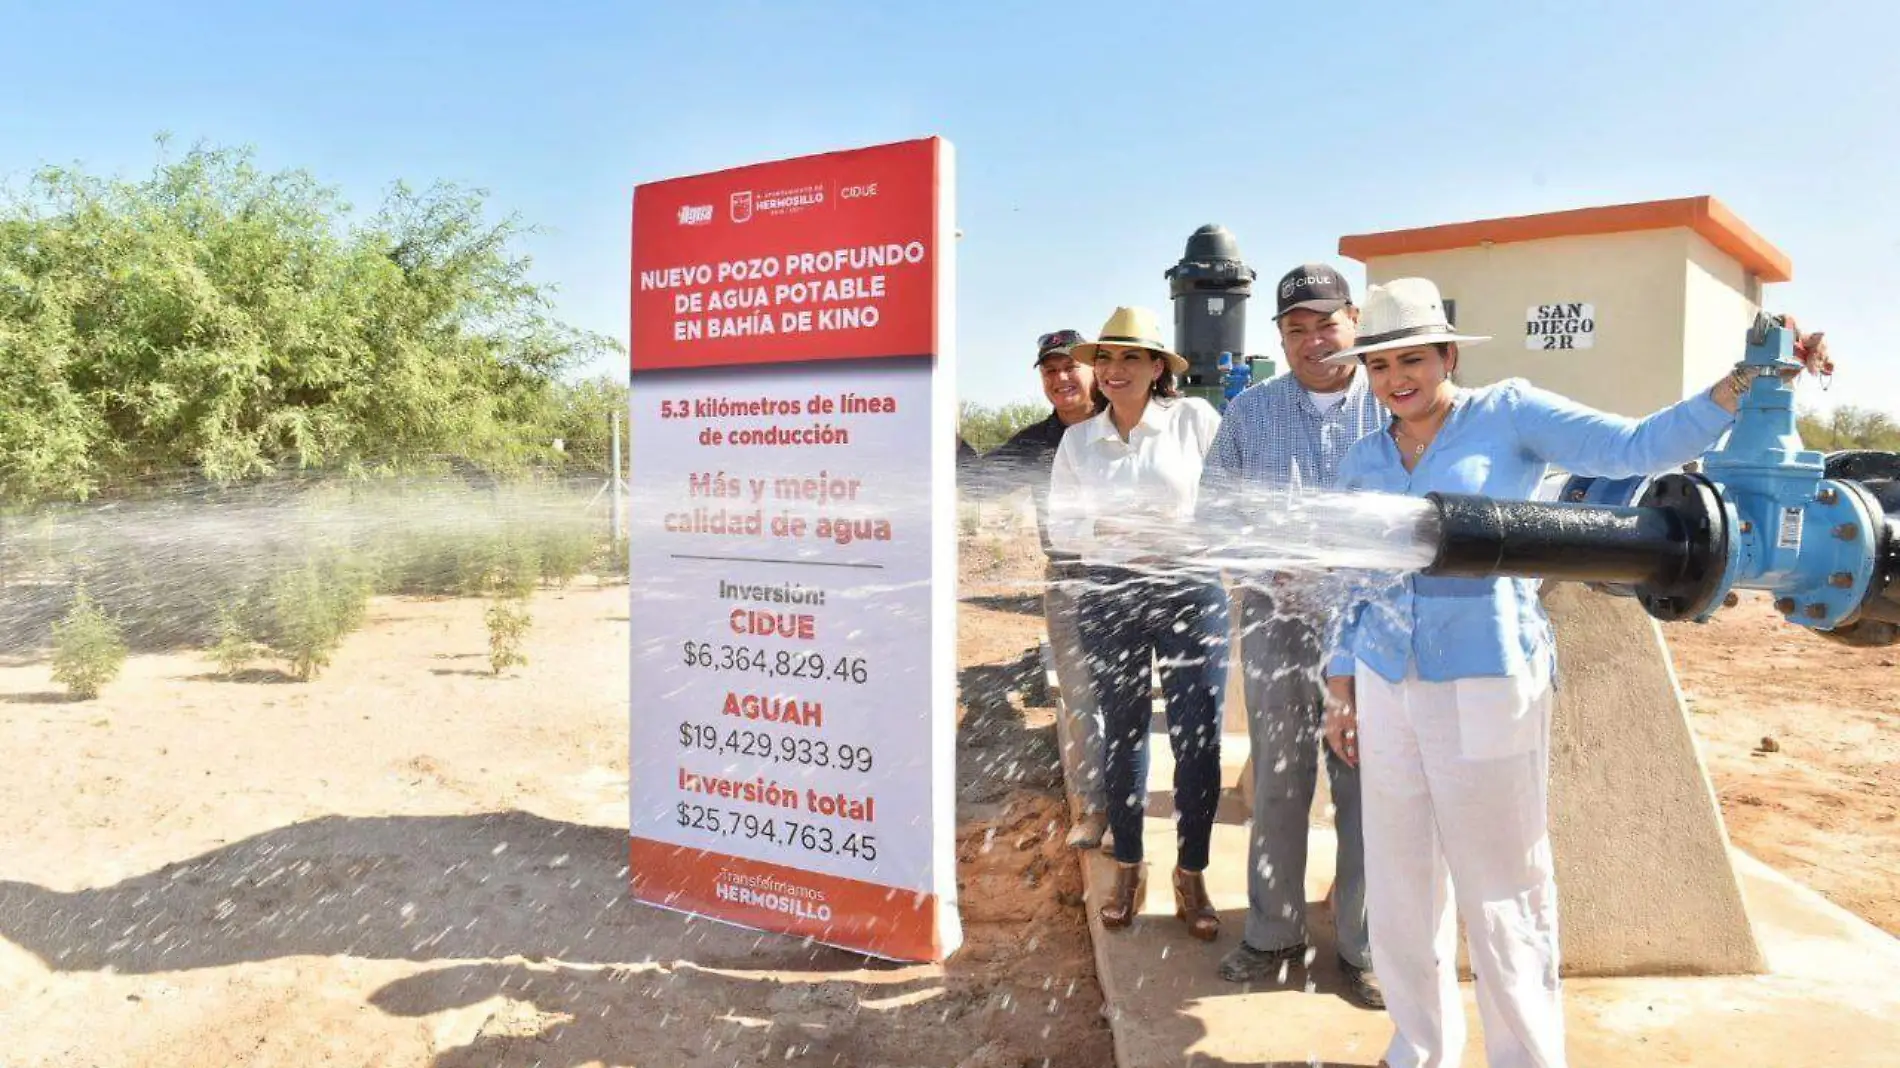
(1057, 343)
(1313, 287)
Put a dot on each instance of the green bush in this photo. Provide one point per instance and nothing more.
(87, 649)
(611, 560)
(986, 428)
(477, 561)
(216, 316)
(208, 563)
(314, 608)
(435, 563)
(474, 565)
(508, 623)
(517, 570)
(1849, 427)
(565, 551)
(236, 648)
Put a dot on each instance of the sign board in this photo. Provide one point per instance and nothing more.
(1560, 326)
(792, 548)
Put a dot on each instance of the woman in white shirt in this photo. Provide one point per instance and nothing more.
(1129, 471)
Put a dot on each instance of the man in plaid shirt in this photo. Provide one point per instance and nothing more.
(1289, 433)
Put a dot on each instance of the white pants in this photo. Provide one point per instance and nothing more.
(1454, 780)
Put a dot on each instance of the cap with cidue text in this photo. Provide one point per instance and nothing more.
(1311, 287)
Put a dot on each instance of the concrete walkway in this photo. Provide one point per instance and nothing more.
(1832, 996)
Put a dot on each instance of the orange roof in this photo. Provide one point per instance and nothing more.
(1705, 215)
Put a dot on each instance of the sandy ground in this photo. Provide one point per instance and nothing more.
(408, 862)
(1824, 806)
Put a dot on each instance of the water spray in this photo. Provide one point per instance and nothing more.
(1820, 532)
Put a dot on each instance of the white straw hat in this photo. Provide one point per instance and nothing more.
(1400, 314)
(1131, 327)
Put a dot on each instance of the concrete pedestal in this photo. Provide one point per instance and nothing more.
(1644, 879)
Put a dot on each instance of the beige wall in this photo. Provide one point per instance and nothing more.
(1718, 310)
(1642, 285)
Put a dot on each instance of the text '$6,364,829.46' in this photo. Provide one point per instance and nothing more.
(775, 663)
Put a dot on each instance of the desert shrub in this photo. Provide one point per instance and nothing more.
(236, 648)
(565, 550)
(477, 560)
(508, 624)
(88, 650)
(314, 607)
(986, 428)
(474, 565)
(611, 560)
(434, 562)
(517, 569)
(181, 565)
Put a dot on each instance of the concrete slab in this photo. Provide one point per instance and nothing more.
(1831, 994)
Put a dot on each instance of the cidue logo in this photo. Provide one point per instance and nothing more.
(1287, 288)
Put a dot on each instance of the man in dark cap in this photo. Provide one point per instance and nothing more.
(1025, 461)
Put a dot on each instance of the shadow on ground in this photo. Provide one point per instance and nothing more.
(997, 752)
(1028, 604)
(417, 888)
(249, 676)
(41, 697)
(680, 1013)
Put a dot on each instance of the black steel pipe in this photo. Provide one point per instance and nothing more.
(1670, 550)
(1883, 594)
(1480, 537)
(1876, 477)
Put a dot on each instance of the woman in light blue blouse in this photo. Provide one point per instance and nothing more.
(1442, 686)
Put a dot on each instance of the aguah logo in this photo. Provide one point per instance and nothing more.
(695, 214)
(742, 206)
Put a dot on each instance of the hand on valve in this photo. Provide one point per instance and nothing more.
(1809, 349)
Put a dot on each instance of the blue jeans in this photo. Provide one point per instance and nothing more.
(1180, 620)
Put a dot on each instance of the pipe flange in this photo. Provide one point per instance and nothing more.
(1694, 591)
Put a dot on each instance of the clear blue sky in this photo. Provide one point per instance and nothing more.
(1092, 138)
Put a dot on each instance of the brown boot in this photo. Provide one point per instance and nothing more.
(1126, 895)
(1192, 905)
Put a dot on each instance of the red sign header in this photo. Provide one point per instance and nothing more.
(819, 258)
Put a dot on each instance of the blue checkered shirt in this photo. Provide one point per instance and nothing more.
(1274, 435)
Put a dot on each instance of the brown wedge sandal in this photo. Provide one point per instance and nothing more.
(1125, 896)
(1194, 907)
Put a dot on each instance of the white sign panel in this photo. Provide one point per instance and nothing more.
(792, 550)
(1560, 326)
